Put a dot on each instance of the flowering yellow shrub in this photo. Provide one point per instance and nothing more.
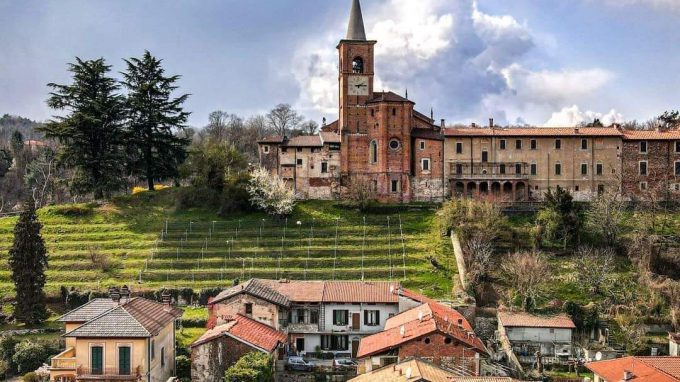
(157, 187)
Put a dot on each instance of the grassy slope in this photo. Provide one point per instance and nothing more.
(127, 229)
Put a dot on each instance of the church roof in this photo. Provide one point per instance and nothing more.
(387, 97)
(355, 29)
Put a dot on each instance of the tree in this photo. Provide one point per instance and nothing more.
(5, 161)
(593, 268)
(361, 193)
(210, 164)
(283, 118)
(478, 253)
(252, 367)
(670, 119)
(605, 216)
(270, 193)
(39, 176)
(558, 217)
(153, 118)
(527, 274)
(29, 355)
(91, 133)
(310, 128)
(28, 262)
(468, 217)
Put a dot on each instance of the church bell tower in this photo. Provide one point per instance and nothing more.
(355, 79)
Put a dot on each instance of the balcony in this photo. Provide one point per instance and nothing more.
(489, 170)
(108, 374)
(66, 360)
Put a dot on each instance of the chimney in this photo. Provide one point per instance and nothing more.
(443, 123)
(576, 129)
(166, 299)
(491, 122)
(420, 315)
(124, 294)
(627, 375)
(402, 331)
(474, 125)
(323, 122)
(114, 294)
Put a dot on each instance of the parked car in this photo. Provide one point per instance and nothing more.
(345, 364)
(299, 364)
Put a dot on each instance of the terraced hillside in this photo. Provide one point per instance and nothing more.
(143, 240)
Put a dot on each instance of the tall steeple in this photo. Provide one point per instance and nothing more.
(355, 30)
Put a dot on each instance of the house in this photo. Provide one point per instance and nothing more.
(525, 335)
(674, 344)
(637, 369)
(420, 370)
(651, 164)
(121, 338)
(431, 331)
(220, 347)
(325, 316)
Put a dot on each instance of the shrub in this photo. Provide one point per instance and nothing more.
(252, 367)
(7, 345)
(31, 377)
(183, 367)
(101, 261)
(469, 217)
(361, 193)
(4, 368)
(235, 195)
(29, 355)
(559, 218)
(72, 210)
(205, 294)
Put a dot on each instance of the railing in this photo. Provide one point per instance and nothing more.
(108, 373)
(65, 360)
(488, 170)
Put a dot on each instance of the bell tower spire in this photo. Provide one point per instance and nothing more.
(355, 29)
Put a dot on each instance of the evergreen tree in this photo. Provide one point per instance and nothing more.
(28, 262)
(154, 117)
(91, 134)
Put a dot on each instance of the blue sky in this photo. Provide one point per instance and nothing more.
(542, 62)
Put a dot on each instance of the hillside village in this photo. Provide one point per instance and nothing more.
(381, 246)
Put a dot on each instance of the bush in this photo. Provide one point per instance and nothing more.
(183, 367)
(29, 355)
(7, 345)
(468, 217)
(72, 210)
(207, 293)
(235, 195)
(31, 377)
(4, 368)
(252, 367)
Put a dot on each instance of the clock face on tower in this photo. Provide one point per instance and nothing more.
(357, 85)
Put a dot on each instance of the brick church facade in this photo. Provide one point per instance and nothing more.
(381, 141)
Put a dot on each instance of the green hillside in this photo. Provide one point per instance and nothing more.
(145, 238)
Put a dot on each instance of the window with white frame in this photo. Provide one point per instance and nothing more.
(371, 317)
(422, 145)
(503, 144)
(584, 144)
(643, 147)
(396, 186)
(643, 186)
(584, 168)
(265, 149)
(425, 164)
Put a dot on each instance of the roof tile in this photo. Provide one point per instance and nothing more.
(247, 330)
(534, 132)
(518, 319)
(644, 369)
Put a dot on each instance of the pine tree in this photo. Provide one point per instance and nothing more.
(154, 117)
(91, 134)
(28, 262)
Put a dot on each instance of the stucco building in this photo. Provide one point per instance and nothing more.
(121, 339)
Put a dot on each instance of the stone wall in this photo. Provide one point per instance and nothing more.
(660, 179)
(211, 360)
(263, 311)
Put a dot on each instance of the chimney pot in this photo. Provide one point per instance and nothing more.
(443, 123)
(474, 125)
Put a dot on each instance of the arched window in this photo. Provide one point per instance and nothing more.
(358, 65)
(374, 151)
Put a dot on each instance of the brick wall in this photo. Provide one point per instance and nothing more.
(660, 158)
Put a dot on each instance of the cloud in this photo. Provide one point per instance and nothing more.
(573, 116)
(451, 55)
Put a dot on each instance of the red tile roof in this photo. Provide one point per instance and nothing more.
(525, 320)
(246, 330)
(331, 127)
(298, 291)
(533, 132)
(359, 291)
(418, 322)
(651, 135)
(644, 369)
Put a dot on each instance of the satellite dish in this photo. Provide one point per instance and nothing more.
(598, 356)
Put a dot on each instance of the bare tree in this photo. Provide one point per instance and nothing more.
(606, 215)
(594, 267)
(39, 176)
(361, 192)
(284, 118)
(478, 253)
(527, 274)
(310, 128)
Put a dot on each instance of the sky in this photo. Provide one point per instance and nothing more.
(538, 62)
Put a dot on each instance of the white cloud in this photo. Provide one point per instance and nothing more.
(451, 55)
(573, 116)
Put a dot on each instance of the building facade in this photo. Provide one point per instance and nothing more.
(121, 339)
(381, 141)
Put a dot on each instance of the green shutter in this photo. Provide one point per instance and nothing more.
(124, 360)
(97, 360)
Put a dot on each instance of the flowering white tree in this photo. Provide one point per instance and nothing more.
(270, 193)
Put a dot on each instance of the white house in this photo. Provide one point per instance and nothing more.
(674, 344)
(529, 334)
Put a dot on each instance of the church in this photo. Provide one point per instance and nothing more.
(379, 140)
(382, 144)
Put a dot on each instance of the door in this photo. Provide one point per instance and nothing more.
(300, 345)
(356, 321)
(124, 360)
(485, 156)
(97, 360)
(355, 348)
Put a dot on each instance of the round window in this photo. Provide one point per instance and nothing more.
(427, 341)
(394, 144)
